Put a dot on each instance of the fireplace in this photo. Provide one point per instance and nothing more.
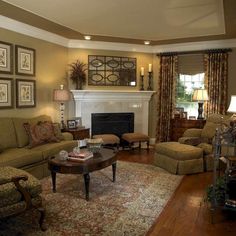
(112, 123)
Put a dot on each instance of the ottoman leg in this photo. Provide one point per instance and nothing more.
(147, 145)
(139, 145)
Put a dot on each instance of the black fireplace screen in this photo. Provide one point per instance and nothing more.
(111, 70)
(112, 123)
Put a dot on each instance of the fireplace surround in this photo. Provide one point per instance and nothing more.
(113, 101)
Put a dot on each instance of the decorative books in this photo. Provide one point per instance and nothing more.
(81, 156)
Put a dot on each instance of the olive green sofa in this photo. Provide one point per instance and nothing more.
(14, 149)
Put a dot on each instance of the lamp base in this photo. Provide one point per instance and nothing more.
(200, 110)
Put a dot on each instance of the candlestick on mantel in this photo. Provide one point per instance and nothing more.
(142, 71)
(149, 67)
(149, 81)
(141, 83)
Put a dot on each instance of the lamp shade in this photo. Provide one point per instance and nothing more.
(200, 95)
(61, 95)
(232, 105)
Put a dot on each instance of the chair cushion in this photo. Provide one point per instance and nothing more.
(179, 151)
(8, 192)
(135, 137)
(108, 138)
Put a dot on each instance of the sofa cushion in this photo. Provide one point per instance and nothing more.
(21, 135)
(7, 134)
(20, 157)
(51, 149)
(9, 193)
(40, 133)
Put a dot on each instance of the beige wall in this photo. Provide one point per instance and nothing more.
(51, 63)
(51, 70)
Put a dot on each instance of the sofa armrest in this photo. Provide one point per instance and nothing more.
(67, 136)
(193, 132)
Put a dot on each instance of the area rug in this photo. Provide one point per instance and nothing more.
(127, 207)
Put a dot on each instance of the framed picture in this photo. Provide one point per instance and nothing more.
(6, 58)
(6, 93)
(25, 93)
(71, 124)
(25, 61)
(192, 117)
(78, 121)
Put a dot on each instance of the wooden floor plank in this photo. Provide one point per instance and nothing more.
(186, 212)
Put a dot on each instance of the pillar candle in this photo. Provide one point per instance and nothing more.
(142, 71)
(149, 67)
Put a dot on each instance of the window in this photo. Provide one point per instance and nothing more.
(191, 76)
(184, 92)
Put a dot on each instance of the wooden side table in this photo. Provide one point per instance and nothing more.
(178, 126)
(79, 134)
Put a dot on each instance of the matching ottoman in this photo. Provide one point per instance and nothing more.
(179, 158)
(109, 139)
(132, 138)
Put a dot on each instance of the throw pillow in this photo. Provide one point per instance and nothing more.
(57, 131)
(40, 133)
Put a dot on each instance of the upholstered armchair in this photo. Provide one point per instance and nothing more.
(19, 191)
(203, 138)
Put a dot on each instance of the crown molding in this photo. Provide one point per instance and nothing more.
(22, 28)
(32, 31)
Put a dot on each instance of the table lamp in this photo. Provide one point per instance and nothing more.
(200, 95)
(61, 95)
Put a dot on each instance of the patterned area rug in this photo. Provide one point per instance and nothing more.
(127, 207)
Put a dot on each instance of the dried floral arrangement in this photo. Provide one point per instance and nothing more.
(77, 73)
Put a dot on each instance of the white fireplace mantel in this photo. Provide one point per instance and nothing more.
(103, 101)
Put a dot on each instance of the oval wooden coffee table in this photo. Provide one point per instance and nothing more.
(102, 159)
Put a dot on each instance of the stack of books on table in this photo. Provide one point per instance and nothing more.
(81, 156)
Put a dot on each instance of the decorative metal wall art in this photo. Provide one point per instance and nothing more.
(111, 71)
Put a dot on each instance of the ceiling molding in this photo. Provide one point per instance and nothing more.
(32, 31)
(22, 28)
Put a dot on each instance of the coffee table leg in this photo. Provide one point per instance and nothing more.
(114, 171)
(53, 174)
(86, 183)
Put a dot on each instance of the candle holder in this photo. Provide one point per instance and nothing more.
(141, 86)
(149, 81)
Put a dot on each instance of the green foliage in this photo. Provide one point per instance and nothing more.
(220, 190)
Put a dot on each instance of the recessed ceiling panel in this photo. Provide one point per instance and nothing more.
(134, 19)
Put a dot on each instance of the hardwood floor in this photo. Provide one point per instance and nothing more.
(186, 212)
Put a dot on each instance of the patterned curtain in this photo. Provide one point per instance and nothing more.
(166, 98)
(216, 81)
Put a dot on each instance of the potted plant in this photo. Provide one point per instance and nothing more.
(77, 73)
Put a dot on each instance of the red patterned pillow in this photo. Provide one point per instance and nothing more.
(42, 132)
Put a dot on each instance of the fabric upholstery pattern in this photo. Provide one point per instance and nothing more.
(108, 138)
(135, 137)
(21, 135)
(41, 133)
(8, 192)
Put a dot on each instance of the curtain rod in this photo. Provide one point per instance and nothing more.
(195, 52)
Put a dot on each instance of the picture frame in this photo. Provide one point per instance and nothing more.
(192, 117)
(25, 93)
(78, 121)
(6, 58)
(25, 60)
(6, 93)
(71, 124)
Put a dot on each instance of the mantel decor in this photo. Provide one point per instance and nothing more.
(111, 71)
(25, 61)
